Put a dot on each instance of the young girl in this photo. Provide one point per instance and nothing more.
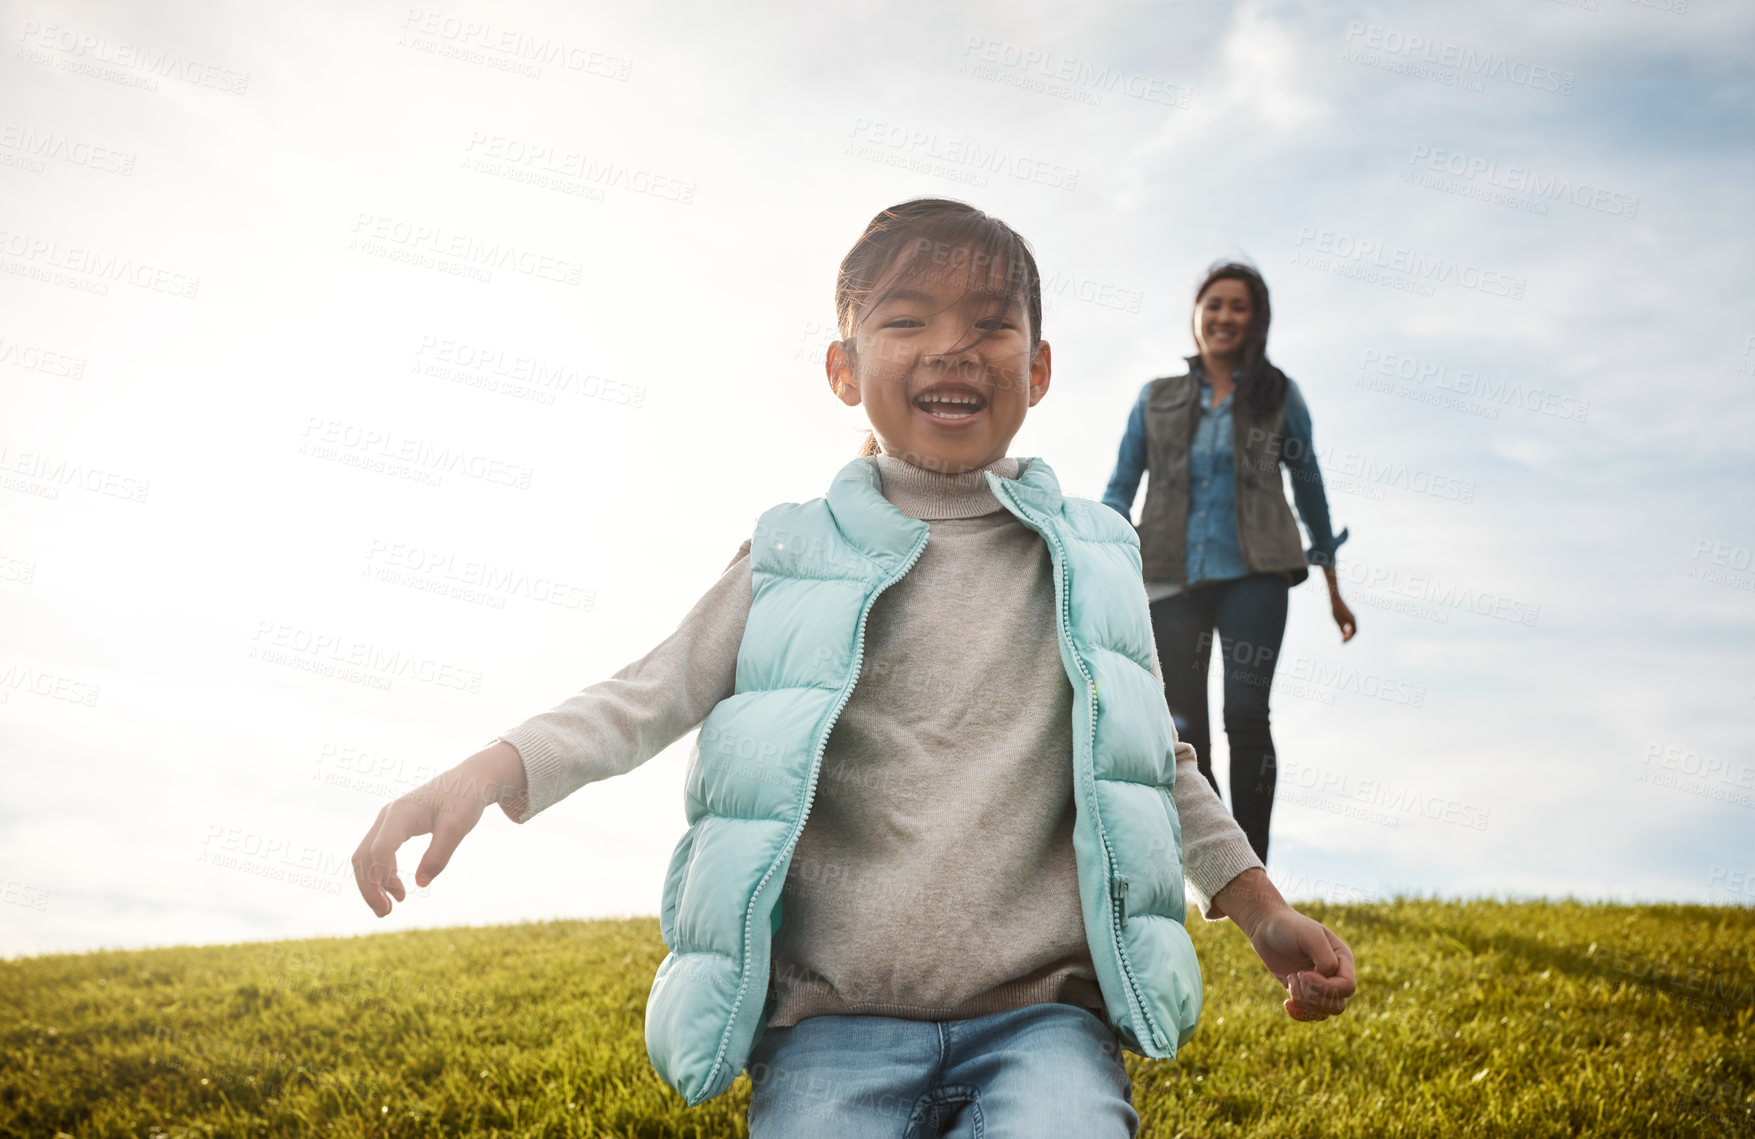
(939, 821)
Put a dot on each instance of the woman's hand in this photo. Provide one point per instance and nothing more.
(1343, 616)
(447, 807)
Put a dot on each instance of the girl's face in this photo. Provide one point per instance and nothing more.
(1222, 316)
(944, 370)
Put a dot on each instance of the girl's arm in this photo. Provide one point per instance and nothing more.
(1130, 464)
(1228, 880)
(605, 730)
(614, 726)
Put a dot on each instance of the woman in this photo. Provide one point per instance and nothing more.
(1218, 543)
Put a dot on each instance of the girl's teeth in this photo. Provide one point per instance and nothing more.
(950, 406)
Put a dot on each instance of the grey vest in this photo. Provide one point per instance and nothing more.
(1267, 533)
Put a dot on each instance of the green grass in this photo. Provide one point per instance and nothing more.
(1472, 1018)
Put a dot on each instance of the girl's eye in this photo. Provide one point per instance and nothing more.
(905, 322)
(995, 324)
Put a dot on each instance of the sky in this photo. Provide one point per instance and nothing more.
(467, 343)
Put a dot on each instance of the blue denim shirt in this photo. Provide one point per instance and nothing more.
(1213, 550)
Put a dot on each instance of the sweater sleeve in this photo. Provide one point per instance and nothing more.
(616, 725)
(1214, 848)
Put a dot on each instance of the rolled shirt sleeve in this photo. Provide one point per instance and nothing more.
(1299, 455)
(1130, 463)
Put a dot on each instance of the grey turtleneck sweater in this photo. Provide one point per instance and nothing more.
(934, 878)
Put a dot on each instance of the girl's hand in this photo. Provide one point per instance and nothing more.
(447, 807)
(1314, 965)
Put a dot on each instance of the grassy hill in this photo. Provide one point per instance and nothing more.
(1481, 1018)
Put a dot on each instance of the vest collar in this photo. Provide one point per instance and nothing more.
(1035, 486)
(872, 523)
(866, 518)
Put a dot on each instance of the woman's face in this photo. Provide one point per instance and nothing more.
(944, 370)
(1221, 318)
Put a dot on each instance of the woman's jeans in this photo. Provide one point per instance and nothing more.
(1041, 1070)
(1250, 616)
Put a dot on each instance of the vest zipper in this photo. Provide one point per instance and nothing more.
(810, 793)
(1117, 906)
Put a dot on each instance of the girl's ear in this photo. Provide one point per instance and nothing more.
(1041, 372)
(838, 364)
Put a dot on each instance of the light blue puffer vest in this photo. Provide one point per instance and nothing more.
(817, 568)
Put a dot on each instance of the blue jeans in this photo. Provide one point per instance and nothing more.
(1041, 1070)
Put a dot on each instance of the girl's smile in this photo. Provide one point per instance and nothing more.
(951, 404)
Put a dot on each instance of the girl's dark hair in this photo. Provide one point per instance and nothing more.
(927, 237)
(1261, 385)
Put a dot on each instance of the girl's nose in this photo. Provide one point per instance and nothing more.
(955, 350)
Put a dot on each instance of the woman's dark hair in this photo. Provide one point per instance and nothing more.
(1261, 385)
(927, 237)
